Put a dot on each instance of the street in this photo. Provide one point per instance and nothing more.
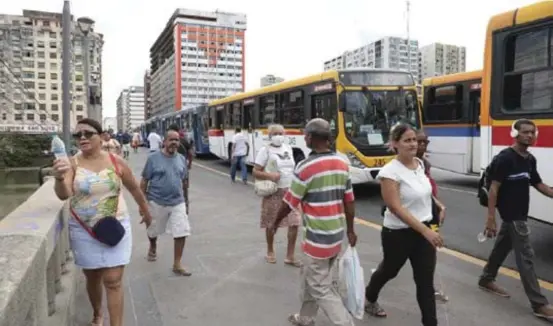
(465, 217)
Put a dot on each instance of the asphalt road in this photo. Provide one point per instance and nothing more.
(465, 217)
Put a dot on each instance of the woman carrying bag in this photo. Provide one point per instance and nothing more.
(273, 171)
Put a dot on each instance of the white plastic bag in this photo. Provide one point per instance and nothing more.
(352, 277)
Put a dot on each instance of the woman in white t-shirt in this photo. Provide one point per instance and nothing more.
(275, 162)
(406, 233)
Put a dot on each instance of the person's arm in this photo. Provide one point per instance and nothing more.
(499, 172)
(233, 147)
(261, 161)
(184, 175)
(129, 181)
(349, 208)
(536, 181)
(146, 177)
(292, 199)
(63, 184)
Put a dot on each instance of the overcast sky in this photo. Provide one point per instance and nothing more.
(288, 38)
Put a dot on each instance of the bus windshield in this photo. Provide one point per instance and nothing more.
(369, 115)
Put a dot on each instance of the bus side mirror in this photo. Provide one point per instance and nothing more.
(342, 103)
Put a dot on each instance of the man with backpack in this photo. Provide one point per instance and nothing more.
(510, 176)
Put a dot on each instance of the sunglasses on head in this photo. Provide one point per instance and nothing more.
(86, 134)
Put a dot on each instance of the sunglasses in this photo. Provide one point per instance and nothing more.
(86, 134)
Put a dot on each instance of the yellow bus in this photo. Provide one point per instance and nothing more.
(451, 119)
(517, 82)
(360, 104)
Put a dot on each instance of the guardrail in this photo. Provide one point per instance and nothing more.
(37, 276)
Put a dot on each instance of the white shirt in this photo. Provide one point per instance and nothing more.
(241, 147)
(415, 192)
(154, 140)
(278, 159)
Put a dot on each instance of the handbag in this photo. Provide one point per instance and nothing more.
(264, 188)
(108, 230)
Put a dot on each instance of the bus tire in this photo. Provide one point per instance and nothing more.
(298, 155)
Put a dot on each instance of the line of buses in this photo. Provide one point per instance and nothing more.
(468, 116)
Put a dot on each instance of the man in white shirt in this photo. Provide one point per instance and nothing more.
(239, 152)
(154, 140)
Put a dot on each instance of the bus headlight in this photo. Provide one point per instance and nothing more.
(354, 161)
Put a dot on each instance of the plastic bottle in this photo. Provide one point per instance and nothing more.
(58, 147)
(482, 237)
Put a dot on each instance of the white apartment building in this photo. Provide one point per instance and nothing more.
(31, 70)
(441, 59)
(270, 80)
(197, 58)
(387, 53)
(109, 123)
(130, 108)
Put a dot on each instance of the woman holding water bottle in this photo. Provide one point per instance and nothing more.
(92, 181)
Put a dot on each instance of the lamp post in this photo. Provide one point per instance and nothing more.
(85, 25)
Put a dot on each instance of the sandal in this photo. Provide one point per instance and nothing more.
(297, 320)
(271, 259)
(152, 256)
(100, 323)
(181, 271)
(293, 263)
(375, 310)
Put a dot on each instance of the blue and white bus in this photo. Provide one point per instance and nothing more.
(451, 120)
(195, 120)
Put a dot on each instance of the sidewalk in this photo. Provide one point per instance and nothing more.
(232, 285)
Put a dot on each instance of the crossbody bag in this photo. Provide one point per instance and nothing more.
(108, 230)
(264, 188)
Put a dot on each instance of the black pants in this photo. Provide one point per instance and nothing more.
(399, 246)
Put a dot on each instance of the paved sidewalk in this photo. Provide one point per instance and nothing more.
(232, 285)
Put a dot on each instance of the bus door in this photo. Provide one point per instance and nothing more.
(220, 149)
(474, 107)
(247, 128)
(196, 133)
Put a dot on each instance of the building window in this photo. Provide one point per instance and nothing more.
(53, 45)
(40, 44)
(53, 65)
(46, 23)
(445, 103)
(79, 117)
(54, 87)
(29, 84)
(41, 75)
(18, 117)
(30, 116)
(4, 116)
(40, 54)
(54, 97)
(55, 117)
(79, 107)
(42, 106)
(53, 76)
(43, 117)
(41, 96)
(53, 55)
(41, 85)
(41, 65)
(54, 107)
(53, 34)
(18, 106)
(28, 64)
(78, 77)
(79, 88)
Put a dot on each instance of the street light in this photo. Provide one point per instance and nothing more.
(85, 25)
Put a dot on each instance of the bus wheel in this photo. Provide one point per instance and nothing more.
(298, 155)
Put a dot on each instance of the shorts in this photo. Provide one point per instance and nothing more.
(168, 219)
(126, 148)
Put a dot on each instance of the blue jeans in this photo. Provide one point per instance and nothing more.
(234, 162)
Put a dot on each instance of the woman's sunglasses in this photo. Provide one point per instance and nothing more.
(87, 134)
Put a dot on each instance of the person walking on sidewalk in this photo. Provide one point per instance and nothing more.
(163, 182)
(93, 181)
(322, 188)
(186, 149)
(238, 155)
(154, 141)
(513, 171)
(406, 233)
(280, 157)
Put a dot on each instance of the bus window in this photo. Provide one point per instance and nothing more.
(528, 73)
(444, 104)
(220, 118)
(267, 112)
(236, 115)
(474, 100)
(292, 109)
(228, 116)
(248, 110)
(324, 106)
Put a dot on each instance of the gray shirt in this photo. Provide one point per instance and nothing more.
(165, 175)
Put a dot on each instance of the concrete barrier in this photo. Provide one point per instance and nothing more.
(37, 276)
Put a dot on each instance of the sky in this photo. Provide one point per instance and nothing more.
(288, 38)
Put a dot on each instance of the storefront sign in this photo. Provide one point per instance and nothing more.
(29, 128)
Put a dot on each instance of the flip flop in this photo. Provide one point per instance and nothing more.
(181, 271)
(270, 259)
(293, 263)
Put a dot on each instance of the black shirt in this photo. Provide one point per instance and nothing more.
(516, 174)
(185, 146)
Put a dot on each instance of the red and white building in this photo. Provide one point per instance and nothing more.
(199, 56)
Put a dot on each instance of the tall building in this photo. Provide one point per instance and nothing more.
(147, 96)
(130, 108)
(198, 57)
(109, 123)
(270, 79)
(388, 53)
(441, 59)
(31, 70)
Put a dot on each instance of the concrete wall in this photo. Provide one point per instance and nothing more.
(37, 276)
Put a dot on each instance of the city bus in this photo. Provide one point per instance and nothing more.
(360, 104)
(451, 119)
(517, 82)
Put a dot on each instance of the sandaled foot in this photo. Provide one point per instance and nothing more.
(292, 262)
(181, 271)
(271, 259)
(544, 312)
(297, 320)
(97, 321)
(492, 287)
(152, 256)
(374, 309)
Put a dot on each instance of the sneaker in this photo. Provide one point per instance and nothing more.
(545, 312)
(493, 288)
(297, 320)
(441, 297)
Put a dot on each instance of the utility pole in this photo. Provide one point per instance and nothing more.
(66, 76)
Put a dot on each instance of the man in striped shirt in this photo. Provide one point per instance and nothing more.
(322, 188)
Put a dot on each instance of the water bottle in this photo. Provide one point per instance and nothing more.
(58, 147)
(482, 237)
